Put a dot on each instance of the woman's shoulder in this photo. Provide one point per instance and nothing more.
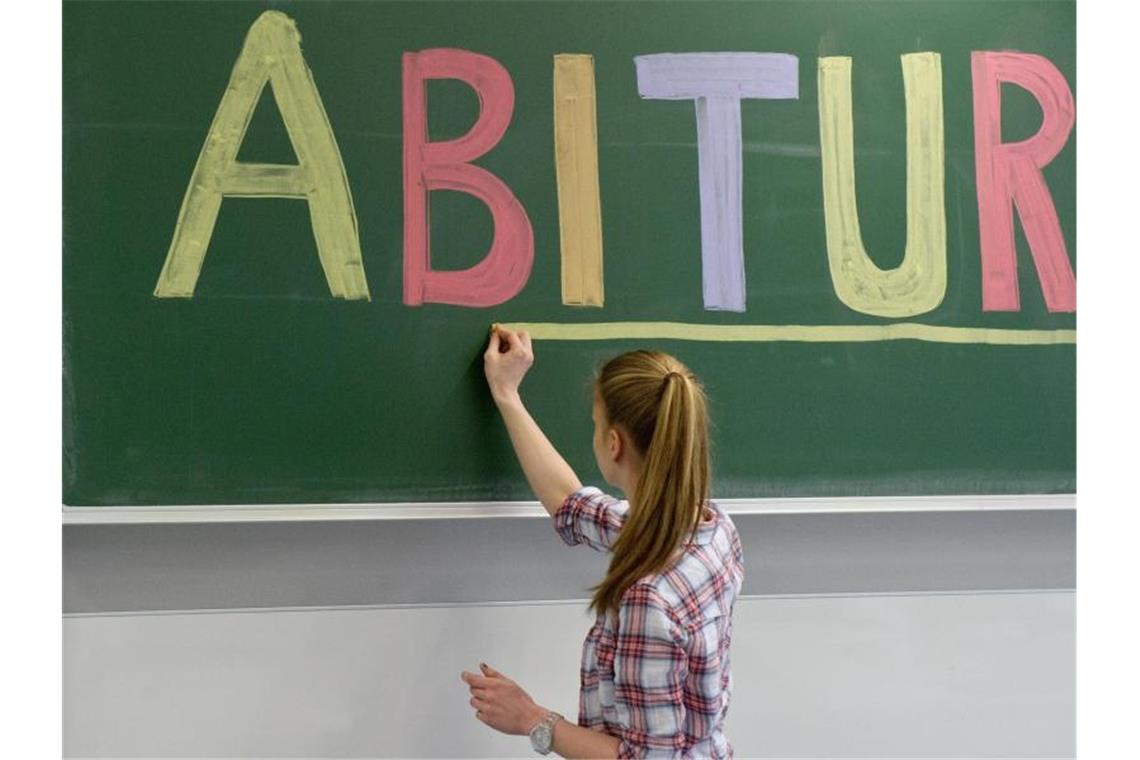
(716, 527)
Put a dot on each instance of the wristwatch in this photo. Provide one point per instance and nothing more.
(542, 735)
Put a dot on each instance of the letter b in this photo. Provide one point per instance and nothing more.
(445, 165)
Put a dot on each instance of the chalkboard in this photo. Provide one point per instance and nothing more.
(735, 183)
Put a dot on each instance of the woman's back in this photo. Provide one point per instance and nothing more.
(657, 672)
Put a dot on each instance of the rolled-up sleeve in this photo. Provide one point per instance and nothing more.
(650, 668)
(590, 517)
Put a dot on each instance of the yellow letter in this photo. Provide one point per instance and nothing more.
(576, 168)
(919, 283)
(272, 53)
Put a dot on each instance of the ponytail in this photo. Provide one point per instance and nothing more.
(662, 406)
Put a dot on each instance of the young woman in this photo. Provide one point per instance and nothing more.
(655, 667)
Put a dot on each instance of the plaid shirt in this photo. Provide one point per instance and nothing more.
(656, 674)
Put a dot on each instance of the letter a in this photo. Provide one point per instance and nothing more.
(271, 53)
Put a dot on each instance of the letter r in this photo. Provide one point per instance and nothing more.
(1010, 173)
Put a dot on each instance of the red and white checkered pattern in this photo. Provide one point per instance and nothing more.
(657, 674)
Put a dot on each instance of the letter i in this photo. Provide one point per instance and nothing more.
(576, 168)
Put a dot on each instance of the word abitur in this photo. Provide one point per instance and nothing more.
(1008, 175)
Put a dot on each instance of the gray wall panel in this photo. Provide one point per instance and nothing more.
(108, 568)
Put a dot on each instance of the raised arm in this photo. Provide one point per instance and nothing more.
(506, 361)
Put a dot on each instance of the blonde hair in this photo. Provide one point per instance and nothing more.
(661, 405)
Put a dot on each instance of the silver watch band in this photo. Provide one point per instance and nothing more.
(542, 735)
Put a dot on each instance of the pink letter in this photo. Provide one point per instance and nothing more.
(1010, 173)
(444, 166)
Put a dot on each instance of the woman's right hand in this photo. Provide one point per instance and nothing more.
(506, 361)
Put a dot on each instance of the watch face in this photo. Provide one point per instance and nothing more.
(541, 738)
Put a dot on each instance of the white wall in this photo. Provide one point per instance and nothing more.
(947, 675)
(940, 634)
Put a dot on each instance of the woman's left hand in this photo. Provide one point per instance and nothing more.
(501, 703)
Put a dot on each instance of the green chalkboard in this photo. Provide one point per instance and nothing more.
(263, 387)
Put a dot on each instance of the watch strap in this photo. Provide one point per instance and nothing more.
(544, 746)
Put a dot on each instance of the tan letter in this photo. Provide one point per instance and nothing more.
(576, 169)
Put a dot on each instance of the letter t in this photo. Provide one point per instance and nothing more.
(718, 82)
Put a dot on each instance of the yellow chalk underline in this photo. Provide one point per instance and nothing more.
(801, 333)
